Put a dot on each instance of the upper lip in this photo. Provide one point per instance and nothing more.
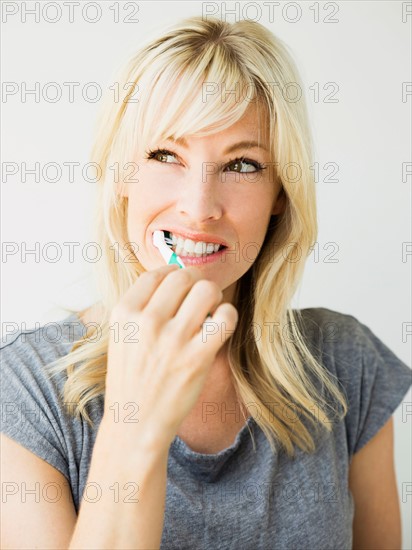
(205, 237)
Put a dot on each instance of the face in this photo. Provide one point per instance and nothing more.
(198, 187)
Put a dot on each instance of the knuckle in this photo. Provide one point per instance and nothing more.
(194, 271)
(121, 312)
(149, 320)
(170, 329)
(208, 288)
(182, 276)
(175, 328)
(150, 276)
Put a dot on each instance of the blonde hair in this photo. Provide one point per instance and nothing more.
(167, 76)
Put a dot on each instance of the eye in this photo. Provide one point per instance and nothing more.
(238, 161)
(157, 154)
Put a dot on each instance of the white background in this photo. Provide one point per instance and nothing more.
(367, 133)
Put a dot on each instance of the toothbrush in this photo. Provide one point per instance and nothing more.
(161, 243)
(170, 257)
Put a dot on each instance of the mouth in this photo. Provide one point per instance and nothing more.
(191, 249)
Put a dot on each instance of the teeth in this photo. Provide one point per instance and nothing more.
(200, 247)
(187, 247)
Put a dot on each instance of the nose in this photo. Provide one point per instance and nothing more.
(200, 198)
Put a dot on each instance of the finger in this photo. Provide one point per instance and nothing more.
(201, 299)
(169, 295)
(139, 294)
(215, 331)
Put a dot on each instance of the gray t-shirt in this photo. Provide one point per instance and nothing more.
(242, 497)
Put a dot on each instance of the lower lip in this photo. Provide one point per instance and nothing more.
(192, 260)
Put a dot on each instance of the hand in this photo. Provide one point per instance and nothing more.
(161, 373)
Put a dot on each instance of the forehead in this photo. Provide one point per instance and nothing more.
(251, 130)
(254, 121)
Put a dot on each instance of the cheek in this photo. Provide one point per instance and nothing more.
(253, 222)
(143, 202)
(151, 192)
(137, 211)
(139, 193)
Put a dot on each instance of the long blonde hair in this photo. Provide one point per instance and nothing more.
(166, 78)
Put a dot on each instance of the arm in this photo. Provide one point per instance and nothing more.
(125, 473)
(37, 509)
(164, 373)
(31, 517)
(372, 482)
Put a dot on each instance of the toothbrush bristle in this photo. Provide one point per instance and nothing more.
(168, 239)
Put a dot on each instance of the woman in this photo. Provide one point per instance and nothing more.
(244, 431)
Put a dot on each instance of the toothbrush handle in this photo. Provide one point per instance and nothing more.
(174, 259)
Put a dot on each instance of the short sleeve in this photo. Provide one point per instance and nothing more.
(377, 382)
(30, 411)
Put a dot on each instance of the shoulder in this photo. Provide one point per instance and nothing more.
(32, 399)
(373, 378)
(338, 340)
(42, 336)
(35, 413)
(41, 344)
(25, 356)
(344, 340)
(327, 325)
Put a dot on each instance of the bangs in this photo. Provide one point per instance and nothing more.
(203, 95)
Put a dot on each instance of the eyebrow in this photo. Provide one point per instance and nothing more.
(230, 149)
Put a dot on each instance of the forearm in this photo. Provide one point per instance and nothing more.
(132, 490)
